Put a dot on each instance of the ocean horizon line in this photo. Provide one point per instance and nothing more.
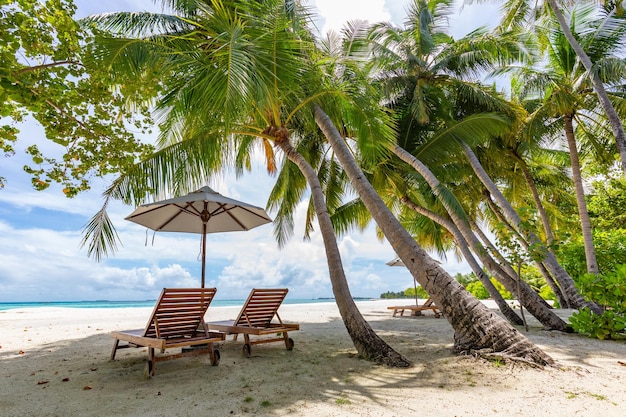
(10, 305)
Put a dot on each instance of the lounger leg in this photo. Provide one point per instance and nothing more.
(247, 347)
(117, 342)
(151, 362)
(288, 341)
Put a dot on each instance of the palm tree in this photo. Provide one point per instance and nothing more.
(229, 70)
(529, 298)
(519, 13)
(463, 246)
(565, 93)
(543, 173)
(529, 238)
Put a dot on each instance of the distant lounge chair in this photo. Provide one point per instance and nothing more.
(176, 322)
(255, 319)
(415, 309)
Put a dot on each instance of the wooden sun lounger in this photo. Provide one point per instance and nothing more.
(255, 319)
(177, 321)
(416, 310)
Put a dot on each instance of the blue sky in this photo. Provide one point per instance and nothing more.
(40, 232)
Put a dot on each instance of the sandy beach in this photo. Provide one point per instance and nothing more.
(55, 362)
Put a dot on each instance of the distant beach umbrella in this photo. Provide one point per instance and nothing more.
(202, 211)
(398, 262)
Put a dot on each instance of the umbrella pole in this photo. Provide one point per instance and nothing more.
(203, 250)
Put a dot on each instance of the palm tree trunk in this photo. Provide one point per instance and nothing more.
(560, 275)
(536, 305)
(507, 267)
(563, 301)
(476, 328)
(583, 213)
(368, 344)
(538, 203)
(504, 307)
(614, 119)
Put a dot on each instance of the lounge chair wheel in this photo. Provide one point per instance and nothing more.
(246, 350)
(290, 344)
(215, 358)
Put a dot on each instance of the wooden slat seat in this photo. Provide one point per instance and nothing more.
(177, 321)
(256, 319)
(415, 309)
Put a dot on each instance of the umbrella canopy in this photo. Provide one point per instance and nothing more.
(398, 262)
(395, 262)
(202, 211)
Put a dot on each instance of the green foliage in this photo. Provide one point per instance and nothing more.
(608, 325)
(505, 294)
(421, 292)
(610, 248)
(392, 295)
(478, 290)
(408, 293)
(608, 290)
(532, 276)
(48, 71)
(547, 294)
(607, 204)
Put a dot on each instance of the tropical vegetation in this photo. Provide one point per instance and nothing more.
(525, 184)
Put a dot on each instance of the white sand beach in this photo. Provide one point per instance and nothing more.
(55, 362)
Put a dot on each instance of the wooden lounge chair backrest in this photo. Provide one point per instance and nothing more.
(261, 307)
(179, 312)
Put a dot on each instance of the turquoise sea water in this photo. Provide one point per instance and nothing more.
(147, 303)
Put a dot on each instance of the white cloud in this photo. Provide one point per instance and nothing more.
(336, 13)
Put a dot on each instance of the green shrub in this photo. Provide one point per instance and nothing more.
(609, 291)
(505, 294)
(478, 290)
(610, 246)
(421, 293)
(608, 325)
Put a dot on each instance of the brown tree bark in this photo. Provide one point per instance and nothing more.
(505, 309)
(583, 213)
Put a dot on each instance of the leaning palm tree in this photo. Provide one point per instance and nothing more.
(476, 328)
(229, 70)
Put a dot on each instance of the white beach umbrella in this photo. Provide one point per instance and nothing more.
(202, 211)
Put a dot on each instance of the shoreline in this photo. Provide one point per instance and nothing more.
(67, 351)
(107, 304)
